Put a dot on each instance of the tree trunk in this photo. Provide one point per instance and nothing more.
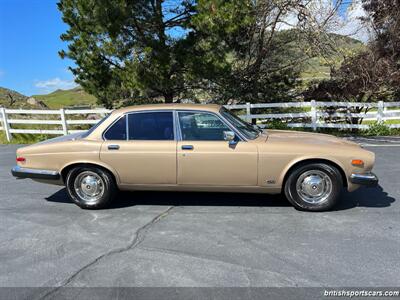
(168, 97)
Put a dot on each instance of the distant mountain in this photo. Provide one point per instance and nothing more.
(67, 98)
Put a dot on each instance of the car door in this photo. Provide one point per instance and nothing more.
(141, 147)
(205, 158)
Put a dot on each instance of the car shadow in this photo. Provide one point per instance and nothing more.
(374, 197)
(364, 197)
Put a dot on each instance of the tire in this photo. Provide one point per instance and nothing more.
(91, 187)
(314, 187)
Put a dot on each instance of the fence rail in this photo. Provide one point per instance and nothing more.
(315, 117)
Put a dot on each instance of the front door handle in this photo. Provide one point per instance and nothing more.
(187, 147)
(113, 147)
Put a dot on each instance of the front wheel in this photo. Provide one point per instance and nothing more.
(90, 187)
(314, 187)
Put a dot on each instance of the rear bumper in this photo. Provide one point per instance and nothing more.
(20, 172)
(369, 179)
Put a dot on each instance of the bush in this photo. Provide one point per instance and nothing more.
(277, 124)
(378, 129)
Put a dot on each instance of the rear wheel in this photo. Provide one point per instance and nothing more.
(314, 187)
(90, 187)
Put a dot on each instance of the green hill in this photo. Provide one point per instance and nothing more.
(67, 98)
(318, 68)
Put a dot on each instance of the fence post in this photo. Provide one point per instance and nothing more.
(313, 115)
(248, 112)
(381, 113)
(6, 126)
(63, 121)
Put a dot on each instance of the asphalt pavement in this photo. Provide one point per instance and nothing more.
(160, 239)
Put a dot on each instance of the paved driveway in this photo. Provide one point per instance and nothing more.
(199, 239)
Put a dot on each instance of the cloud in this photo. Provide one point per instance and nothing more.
(324, 14)
(352, 25)
(1, 73)
(53, 84)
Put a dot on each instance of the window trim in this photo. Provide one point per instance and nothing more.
(176, 124)
(221, 118)
(139, 112)
(111, 125)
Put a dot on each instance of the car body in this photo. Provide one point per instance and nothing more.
(189, 147)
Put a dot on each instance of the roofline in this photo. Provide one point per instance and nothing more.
(97, 133)
(169, 106)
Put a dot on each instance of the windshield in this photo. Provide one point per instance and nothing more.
(88, 132)
(245, 128)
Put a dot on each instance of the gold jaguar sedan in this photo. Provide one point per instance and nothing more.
(182, 147)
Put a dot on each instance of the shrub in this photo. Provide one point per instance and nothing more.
(277, 124)
(378, 129)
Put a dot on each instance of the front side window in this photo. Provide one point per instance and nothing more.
(201, 126)
(117, 131)
(151, 126)
(245, 128)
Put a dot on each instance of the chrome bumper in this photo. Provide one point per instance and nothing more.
(369, 179)
(20, 172)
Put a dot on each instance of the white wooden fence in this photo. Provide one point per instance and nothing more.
(314, 116)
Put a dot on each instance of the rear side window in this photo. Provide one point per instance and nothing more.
(117, 131)
(151, 126)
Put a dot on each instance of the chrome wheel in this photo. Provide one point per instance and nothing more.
(314, 186)
(89, 186)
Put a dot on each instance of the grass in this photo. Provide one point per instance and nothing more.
(21, 138)
(63, 98)
(387, 122)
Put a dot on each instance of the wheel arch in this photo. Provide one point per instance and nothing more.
(68, 167)
(306, 161)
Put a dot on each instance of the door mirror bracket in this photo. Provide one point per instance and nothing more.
(230, 137)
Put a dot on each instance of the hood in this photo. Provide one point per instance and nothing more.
(307, 138)
(64, 138)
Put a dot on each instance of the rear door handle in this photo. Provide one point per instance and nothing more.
(113, 147)
(187, 147)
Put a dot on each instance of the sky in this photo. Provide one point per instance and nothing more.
(29, 43)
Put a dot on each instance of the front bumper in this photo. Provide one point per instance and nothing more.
(369, 179)
(20, 172)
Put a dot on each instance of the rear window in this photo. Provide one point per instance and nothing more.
(151, 126)
(117, 131)
(88, 132)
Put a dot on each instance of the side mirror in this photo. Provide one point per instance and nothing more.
(230, 137)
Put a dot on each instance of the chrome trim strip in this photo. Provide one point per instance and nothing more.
(21, 172)
(365, 179)
(363, 176)
(177, 127)
(127, 126)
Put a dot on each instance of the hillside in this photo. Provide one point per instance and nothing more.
(318, 68)
(66, 98)
(13, 99)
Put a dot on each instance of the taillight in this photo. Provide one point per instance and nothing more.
(21, 159)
